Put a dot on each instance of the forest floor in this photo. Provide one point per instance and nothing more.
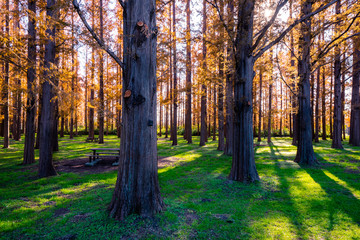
(290, 201)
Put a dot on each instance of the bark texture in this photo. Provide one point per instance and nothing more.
(188, 123)
(243, 163)
(46, 167)
(137, 188)
(305, 152)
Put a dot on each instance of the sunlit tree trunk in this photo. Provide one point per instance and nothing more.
(203, 132)
(101, 110)
(175, 93)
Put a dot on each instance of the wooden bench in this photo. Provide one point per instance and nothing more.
(99, 153)
(92, 139)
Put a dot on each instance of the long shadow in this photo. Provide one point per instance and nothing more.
(341, 198)
(337, 169)
(296, 217)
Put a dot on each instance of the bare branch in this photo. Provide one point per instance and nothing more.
(93, 34)
(122, 4)
(268, 25)
(282, 77)
(287, 30)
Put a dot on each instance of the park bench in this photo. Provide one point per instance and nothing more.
(92, 139)
(99, 153)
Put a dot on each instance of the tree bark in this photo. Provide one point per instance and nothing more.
(323, 106)
(46, 167)
(175, 102)
(229, 91)
(137, 188)
(305, 152)
(355, 96)
(5, 90)
(269, 113)
(336, 140)
(243, 163)
(260, 99)
(221, 141)
(203, 132)
(316, 138)
(101, 111)
(188, 123)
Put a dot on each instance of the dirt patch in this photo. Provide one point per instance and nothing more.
(61, 212)
(80, 217)
(78, 165)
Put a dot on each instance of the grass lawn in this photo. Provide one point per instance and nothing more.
(290, 201)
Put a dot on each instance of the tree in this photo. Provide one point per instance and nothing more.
(5, 87)
(101, 111)
(305, 152)
(29, 155)
(137, 188)
(203, 132)
(336, 140)
(188, 124)
(355, 97)
(46, 167)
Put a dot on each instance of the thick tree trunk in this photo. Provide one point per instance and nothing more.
(101, 111)
(137, 188)
(355, 96)
(243, 163)
(305, 152)
(336, 140)
(260, 99)
(46, 167)
(188, 123)
(175, 118)
(203, 133)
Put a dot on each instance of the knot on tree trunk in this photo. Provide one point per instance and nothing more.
(141, 33)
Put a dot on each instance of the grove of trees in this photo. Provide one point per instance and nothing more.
(231, 71)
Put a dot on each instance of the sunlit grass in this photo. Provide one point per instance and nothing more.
(290, 201)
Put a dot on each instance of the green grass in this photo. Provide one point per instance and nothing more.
(290, 201)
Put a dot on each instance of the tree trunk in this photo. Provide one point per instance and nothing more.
(203, 133)
(316, 138)
(260, 99)
(269, 113)
(137, 188)
(62, 125)
(243, 163)
(229, 91)
(46, 167)
(101, 111)
(174, 123)
(71, 135)
(293, 102)
(323, 106)
(336, 140)
(281, 110)
(355, 96)
(305, 152)
(221, 141)
(214, 111)
(188, 123)
(5, 89)
(17, 92)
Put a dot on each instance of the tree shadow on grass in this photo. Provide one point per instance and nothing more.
(295, 216)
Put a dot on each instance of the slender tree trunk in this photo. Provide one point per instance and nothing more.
(203, 133)
(221, 142)
(62, 125)
(29, 154)
(229, 91)
(305, 152)
(214, 110)
(161, 112)
(175, 93)
(101, 111)
(316, 138)
(293, 84)
(5, 86)
(137, 189)
(260, 99)
(17, 94)
(312, 97)
(355, 96)
(188, 123)
(46, 167)
(343, 99)
(72, 78)
(336, 141)
(269, 113)
(281, 109)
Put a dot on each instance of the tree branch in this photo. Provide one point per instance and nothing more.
(268, 25)
(282, 77)
(122, 4)
(93, 34)
(282, 35)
